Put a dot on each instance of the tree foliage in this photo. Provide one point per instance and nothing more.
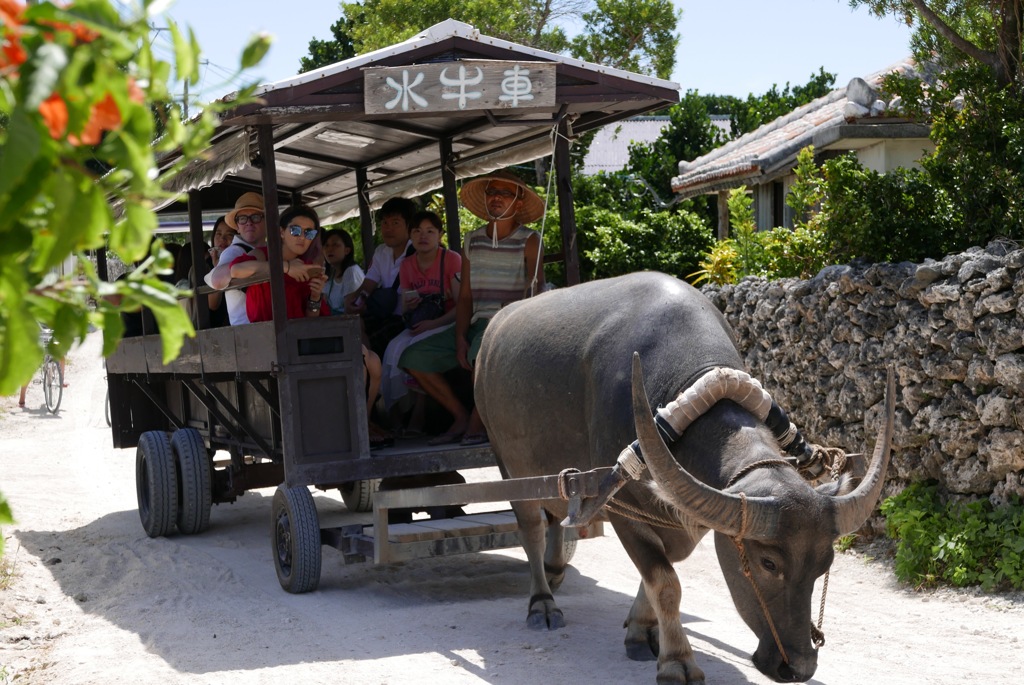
(81, 90)
(637, 35)
(976, 108)
(324, 52)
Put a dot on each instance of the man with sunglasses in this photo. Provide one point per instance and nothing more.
(249, 219)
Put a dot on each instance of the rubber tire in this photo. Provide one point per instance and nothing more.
(358, 494)
(569, 550)
(53, 384)
(295, 537)
(156, 483)
(195, 481)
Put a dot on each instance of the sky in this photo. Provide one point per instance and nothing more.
(727, 47)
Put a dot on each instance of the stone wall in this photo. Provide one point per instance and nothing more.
(951, 329)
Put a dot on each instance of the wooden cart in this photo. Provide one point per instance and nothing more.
(340, 140)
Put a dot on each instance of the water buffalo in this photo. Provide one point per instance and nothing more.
(554, 386)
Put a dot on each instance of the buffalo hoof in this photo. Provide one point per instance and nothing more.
(544, 614)
(641, 641)
(641, 650)
(676, 673)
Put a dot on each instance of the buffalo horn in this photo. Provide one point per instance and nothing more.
(708, 506)
(853, 509)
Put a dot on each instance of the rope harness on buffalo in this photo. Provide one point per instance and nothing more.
(811, 461)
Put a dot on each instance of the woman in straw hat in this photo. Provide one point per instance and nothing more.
(501, 263)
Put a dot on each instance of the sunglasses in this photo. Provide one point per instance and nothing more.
(244, 219)
(501, 192)
(307, 233)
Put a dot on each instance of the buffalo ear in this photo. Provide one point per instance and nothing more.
(846, 484)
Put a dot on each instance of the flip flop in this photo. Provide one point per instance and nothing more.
(445, 439)
(473, 439)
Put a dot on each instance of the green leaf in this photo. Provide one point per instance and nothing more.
(255, 50)
(186, 60)
(113, 330)
(131, 235)
(24, 146)
(42, 74)
(20, 352)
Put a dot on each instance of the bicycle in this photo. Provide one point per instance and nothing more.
(51, 376)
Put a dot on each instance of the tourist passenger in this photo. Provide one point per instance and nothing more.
(501, 263)
(344, 276)
(302, 266)
(249, 219)
(376, 299)
(422, 285)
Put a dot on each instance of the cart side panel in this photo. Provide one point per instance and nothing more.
(322, 399)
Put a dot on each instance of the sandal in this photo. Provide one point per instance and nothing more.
(445, 439)
(473, 439)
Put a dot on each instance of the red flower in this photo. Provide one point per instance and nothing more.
(106, 116)
(13, 53)
(55, 114)
(11, 11)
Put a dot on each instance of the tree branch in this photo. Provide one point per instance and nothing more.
(959, 42)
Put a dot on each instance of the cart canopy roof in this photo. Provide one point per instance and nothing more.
(387, 114)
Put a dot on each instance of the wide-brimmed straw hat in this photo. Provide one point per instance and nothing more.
(248, 200)
(474, 199)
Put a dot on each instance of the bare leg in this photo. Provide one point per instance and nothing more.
(372, 368)
(21, 396)
(437, 387)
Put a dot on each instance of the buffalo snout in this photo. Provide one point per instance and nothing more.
(799, 669)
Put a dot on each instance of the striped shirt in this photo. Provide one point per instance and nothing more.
(497, 270)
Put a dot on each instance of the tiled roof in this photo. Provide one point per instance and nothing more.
(775, 145)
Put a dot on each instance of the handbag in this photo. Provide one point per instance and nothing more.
(430, 306)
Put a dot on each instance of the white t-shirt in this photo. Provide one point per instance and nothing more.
(384, 269)
(234, 299)
(336, 291)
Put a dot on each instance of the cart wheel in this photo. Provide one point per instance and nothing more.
(296, 539)
(569, 549)
(358, 495)
(195, 489)
(156, 483)
(53, 384)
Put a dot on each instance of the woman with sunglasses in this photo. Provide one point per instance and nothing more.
(302, 265)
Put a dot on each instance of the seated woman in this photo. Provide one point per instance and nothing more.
(420, 281)
(344, 276)
(302, 265)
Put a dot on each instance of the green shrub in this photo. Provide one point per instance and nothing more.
(958, 543)
(778, 253)
(610, 245)
(897, 216)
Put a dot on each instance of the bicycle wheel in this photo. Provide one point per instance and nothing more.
(53, 384)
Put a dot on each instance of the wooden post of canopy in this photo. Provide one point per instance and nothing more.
(365, 217)
(271, 217)
(451, 199)
(195, 231)
(566, 210)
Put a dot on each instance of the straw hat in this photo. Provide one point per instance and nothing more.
(474, 199)
(248, 200)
